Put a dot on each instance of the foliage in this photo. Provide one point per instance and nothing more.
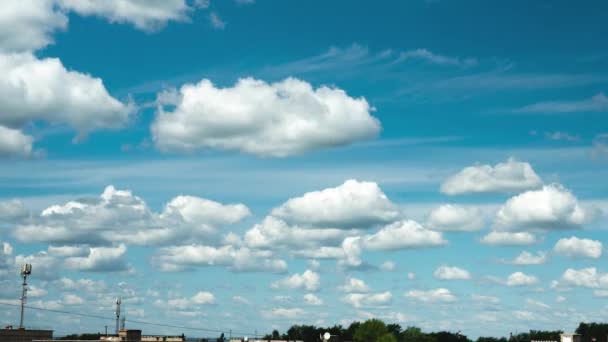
(370, 331)
(590, 331)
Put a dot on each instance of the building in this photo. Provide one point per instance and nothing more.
(130, 335)
(9, 334)
(570, 338)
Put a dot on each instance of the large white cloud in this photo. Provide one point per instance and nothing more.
(353, 204)
(451, 273)
(143, 14)
(510, 176)
(403, 235)
(28, 24)
(277, 119)
(354, 285)
(236, 259)
(575, 247)
(44, 89)
(119, 216)
(434, 296)
(552, 207)
(586, 277)
(450, 217)
(359, 300)
(309, 281)
(527, 258)
(100, 259)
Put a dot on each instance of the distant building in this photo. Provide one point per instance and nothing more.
(570, 338)
(130, 335)
(9, 334)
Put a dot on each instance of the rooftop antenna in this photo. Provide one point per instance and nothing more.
(26, 270)
(118, 301)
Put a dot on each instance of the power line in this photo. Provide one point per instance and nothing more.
(130, 320)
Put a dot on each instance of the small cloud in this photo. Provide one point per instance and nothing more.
(216, 21)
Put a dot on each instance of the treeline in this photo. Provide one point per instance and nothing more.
(375, 330)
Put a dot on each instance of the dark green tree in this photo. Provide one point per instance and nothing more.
(591, 331)
(370, 331)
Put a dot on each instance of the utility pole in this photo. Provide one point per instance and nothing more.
(106, 330)
(118, 301)
(26, 270)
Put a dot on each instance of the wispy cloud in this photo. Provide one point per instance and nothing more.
(216, 21)
(597, 103)
(561, 136)
(433, 58)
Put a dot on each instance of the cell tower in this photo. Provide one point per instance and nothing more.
(118, 301)
(26, 270)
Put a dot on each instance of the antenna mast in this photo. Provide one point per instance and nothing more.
(26, 270)
(118, 301)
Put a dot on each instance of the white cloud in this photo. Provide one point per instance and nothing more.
(43, 89)
(552, 207)
(387, 266)
(358, 300)
(287, 313)
(597, 103)
(521, 279)
(12, 210)
(537, 304)
(433, 58)
(13, 143)
(353, 204)
(495, 238)
(68, 251)
(99, 259)
(309, 281)
(586, 277)
(510, 176)
(203, 297)
(44, 266)
(72, 299)
(311, 299)
(6, 259)
(143, 14)
(241, 300)
(575, 247)
(451, 217)
(27, 25)
(355, 285)
(527, 258)
(485, 299)
(241, 259)
(272, 120)
(216, 21)
(433, 296)
(118, 216)
(403, 235)
(451, 273)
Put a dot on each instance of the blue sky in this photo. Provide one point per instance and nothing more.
(249, 165)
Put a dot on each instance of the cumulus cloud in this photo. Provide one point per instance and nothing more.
(272, 120)
(309, 281)
(354, 285)
(203, 297)
(99, 259)
(13, 143)
(521, 279)
(451, 273)
(287, 313)
(510, 176)
(586, 277)
(6, 259)
(495, 238)
(451, 217)
(552, 207)
(44, 266)
(433, 296)
(311, 299)
(527, 258)
(353, 204)
(118, 216)
(359, 300)
(12, 210)
(575, 247)
(403, 235)
(236, 259)
(43, 89)
(143, 14)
